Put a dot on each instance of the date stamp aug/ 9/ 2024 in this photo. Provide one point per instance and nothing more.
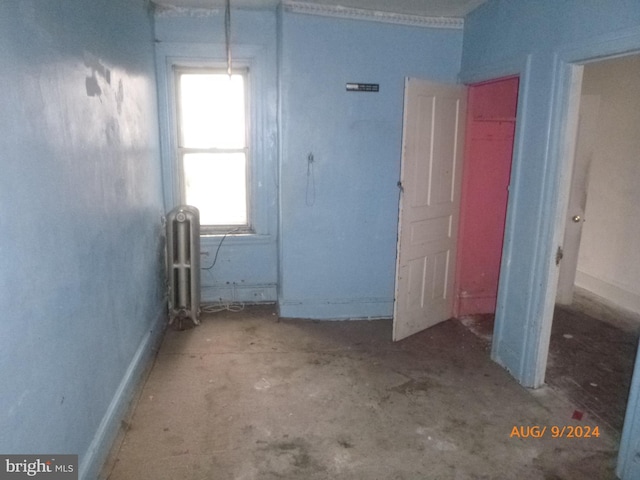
(554, 431)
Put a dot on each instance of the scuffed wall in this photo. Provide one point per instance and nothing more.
(81, 250)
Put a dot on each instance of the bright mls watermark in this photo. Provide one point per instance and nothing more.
(50, 467)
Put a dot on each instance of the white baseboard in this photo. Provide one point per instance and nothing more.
(612, 293)
(234, 292)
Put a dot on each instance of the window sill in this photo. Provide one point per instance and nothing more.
(244, 238)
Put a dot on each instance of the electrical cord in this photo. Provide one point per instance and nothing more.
(215, 257)
(215, 307)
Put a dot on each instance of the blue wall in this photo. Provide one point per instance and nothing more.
(539, 41)
(81, 250)
(542, 41)
(246, 267)
(336, 256)
(338, 222)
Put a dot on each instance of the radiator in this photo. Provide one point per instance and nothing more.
(183, 266)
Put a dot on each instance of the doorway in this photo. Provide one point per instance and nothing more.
(440, 272)
(597, 314)
(490, 130)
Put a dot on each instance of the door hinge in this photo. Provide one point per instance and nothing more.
(559, 255)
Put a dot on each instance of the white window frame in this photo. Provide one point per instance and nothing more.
(180, 151)
(263, 176)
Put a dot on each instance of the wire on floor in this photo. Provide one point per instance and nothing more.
(216, 307)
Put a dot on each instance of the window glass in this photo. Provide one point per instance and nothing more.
(212, 148)
(213, 110)
(216, 184)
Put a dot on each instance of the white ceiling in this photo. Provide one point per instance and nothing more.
(427, 8)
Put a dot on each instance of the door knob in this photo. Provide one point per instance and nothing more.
(576, 218)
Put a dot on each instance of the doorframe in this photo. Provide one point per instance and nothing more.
(528, 363)
(511, 67)
(569, 64)
(463, 187)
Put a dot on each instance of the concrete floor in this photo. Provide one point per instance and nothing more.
(248, 396)
(591, 362)
(591, 355)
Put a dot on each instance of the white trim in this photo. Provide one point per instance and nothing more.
(168, 11)
(372, 15)
(610, 292)
(225, 292)
(251, 57)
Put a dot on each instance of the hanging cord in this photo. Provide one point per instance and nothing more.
(310, 196)
(227, 34)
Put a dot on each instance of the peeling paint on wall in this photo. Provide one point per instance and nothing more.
(80, 208)
(97, 70)
(93, 89)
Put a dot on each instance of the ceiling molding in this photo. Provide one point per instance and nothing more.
(173, 11)
(372, 15)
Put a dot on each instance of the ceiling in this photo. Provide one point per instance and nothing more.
(427, 8)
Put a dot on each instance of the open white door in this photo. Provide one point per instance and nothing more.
(587, 128)
(432, 150)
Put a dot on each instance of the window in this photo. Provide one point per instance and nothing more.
(213, 151)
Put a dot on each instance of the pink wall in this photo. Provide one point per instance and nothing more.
(485, 179)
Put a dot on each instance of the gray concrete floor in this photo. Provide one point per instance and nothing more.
(248, 396)
(591, 359)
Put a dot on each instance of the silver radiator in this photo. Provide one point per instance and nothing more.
(183, 266)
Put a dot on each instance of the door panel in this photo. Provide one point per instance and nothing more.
(587, 129)
(433, 132)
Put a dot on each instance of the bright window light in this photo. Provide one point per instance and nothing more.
(212, 110)
(213, 145)
(216, 182)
